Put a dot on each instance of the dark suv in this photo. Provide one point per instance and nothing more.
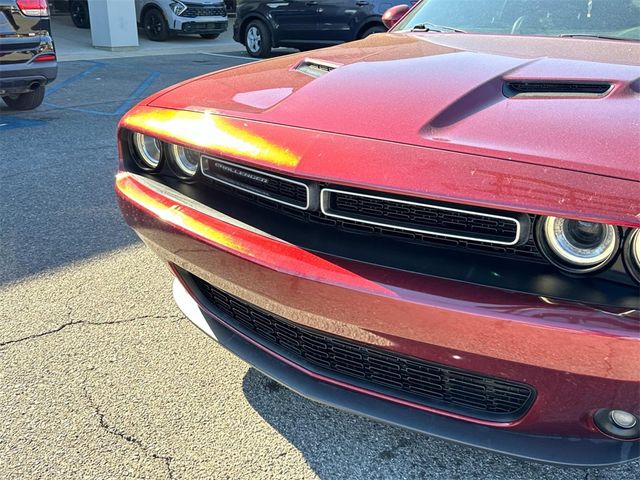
(27, 55)
(263, 24)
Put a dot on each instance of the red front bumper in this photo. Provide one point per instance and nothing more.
(578, 358)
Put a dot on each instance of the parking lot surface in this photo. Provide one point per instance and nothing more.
(100, 374)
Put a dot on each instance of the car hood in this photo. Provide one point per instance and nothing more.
(450, 92)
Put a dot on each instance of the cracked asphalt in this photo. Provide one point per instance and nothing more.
(102, 377)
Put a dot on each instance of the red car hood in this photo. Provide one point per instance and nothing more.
(445, 91)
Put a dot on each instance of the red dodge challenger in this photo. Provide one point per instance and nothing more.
(436, 227)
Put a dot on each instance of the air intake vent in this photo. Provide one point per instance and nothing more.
(555, 89)
(439, 386)
(315, 68)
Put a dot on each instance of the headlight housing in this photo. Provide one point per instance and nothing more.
(184, 161)
(632, 253)
(149, 151)
(577, 246)
(178, 7)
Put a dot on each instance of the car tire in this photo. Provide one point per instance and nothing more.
(155, 25)
(210, 36)
(372, 30)
(257, 39)
(79, 11)
(25, 101)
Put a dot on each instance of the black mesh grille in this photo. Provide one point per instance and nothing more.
(422, 217)
(527, 251)
(423, 382)
(193, 11)
(242, 178)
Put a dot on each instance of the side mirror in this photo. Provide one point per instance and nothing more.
(394, 14)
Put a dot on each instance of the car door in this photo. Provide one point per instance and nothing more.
(294, 20)
(339, 20)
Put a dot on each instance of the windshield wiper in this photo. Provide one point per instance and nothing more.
(593, 35)
(432, 27)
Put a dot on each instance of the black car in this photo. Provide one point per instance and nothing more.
(27, 55)
(264, 24)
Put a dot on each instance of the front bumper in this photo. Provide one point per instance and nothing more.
(578, 358)
(200, 24)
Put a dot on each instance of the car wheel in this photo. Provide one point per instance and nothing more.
(25, 101)
(372, 30)
(257, 39)
(79, 11)
(210, 36)
(155, 25)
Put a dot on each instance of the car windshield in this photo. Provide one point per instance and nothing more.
(618, 19)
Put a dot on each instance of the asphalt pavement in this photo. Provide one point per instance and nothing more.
(100, 374)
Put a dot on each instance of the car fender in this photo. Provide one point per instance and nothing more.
(368, 22)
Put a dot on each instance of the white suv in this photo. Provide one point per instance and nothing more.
(163, 18)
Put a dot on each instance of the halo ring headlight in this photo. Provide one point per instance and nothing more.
(185, 161)
(149, 150)
(632, 253)
(577, 246)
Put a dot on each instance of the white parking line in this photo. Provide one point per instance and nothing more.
(230, 56)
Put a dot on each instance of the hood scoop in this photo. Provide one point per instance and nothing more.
(536, 88)
(316, 68)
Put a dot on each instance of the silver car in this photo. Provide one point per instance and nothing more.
(163, 18)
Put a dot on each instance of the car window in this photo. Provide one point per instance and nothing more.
(613, 18)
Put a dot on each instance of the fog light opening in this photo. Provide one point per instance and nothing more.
(617, 423)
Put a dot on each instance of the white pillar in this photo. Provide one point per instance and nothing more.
(113, 24)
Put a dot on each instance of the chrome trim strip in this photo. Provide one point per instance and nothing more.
(259, 172)
(324, 206)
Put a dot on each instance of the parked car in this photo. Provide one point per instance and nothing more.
(27, 54)
(433, 228)
(161, 19)
(262, 25)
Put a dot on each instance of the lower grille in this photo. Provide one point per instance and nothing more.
(191, 27)
(404, 377)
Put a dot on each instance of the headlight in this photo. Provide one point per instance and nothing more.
(149, 151)
(178, 7)
(185, 160)
(632, 253)
(577, 246)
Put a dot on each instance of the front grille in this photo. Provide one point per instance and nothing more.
(193, 11)
(262, 184)
(421, 217)
(404, 377)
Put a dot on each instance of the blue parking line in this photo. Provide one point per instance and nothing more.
(136, 94)
(131, 100)
(59, 85)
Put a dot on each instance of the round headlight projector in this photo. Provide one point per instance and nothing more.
(185, 161)
(632, 253)
(149, 151)
(577, 246)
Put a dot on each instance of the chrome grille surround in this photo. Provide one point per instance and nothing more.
(325, 206)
